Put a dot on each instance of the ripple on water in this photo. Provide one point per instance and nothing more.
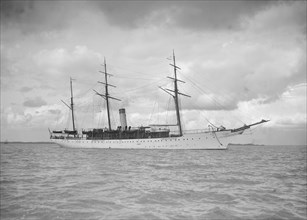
(47, 182)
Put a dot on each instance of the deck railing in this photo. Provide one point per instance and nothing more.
(195, 131)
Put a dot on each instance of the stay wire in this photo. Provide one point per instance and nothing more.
(227, 98)
(221, 106)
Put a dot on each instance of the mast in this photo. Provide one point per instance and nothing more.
(106, 96)
(72, 105)
(107, 93)
(176, 95)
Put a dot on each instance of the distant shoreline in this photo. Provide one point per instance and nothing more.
(26, 142)
(250, 144)
(263, 145)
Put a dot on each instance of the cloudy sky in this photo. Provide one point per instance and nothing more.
(242, 61)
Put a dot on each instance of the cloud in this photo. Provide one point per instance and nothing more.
(19, 119)
(61, 57)
(236, 57)
(250, 65)
(33, 117)
(26, 89)
(192, 15)
(280, 16)
(31, 17)
(35, 102)
(279, 111)
(47, 115)
(55, 111)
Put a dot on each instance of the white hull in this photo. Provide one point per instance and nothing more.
(192, 141)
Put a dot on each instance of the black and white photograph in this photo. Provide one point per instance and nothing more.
(134, 109)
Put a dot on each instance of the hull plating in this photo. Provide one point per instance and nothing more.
(196, 141)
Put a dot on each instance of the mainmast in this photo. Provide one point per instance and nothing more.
(72, 105)
(106, 96)
(176, 93)
(107, 93)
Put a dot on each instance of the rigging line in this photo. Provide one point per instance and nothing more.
(149, 121)
(93, 112)
(202, 114)
(140, 76)
(180, 113)
(217, 102)
(155, 113)
(158, 113)
(83, 118)
(57, 120)
(85, 92)
(119, 77)
(141, 87)
(68, 120)
(199, 107)
(80, 95)
(205, 92)
(97, 113)
(115, 120)
(210, 90)
(111, 115)
(129, 70)
(101, 114)
(168, 106)
(210, 123)
(83, 80)
(76, 122)
(256, 127)
(221, 107)
(229, 97)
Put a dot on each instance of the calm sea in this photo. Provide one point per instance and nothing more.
(44, 181)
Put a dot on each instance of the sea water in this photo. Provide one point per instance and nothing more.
(44, 181)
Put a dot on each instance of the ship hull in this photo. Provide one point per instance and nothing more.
(194, 141)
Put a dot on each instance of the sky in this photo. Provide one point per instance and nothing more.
(242, 61)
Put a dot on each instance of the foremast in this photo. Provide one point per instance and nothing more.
(106, 95)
